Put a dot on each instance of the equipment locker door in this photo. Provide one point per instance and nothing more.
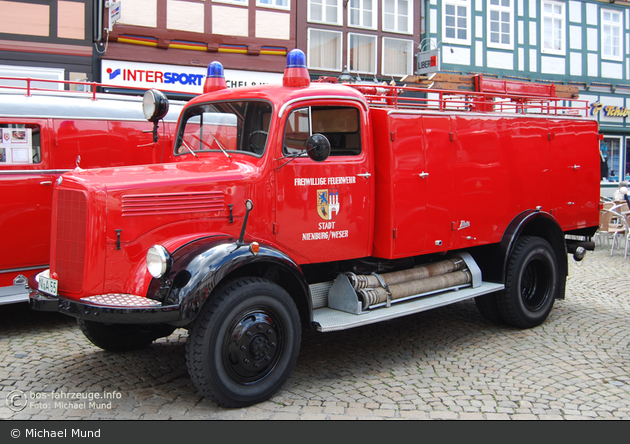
(575, 167)
(323, 209)
(27, 178)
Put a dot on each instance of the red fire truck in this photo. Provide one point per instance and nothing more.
(44, 133)
(328, 207)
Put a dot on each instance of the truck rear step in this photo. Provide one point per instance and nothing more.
(336, 305)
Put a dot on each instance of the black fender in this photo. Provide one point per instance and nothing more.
(544, 225)
(493, 259)
(200, 266)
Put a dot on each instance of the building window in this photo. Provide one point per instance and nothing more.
(456, 27)
(397, 57)
(501, 24)
(553, 28)
(611, 35)
(362, 53)
(609, 149)
(362, 14)
(324, 49)
(325, 11)
(280, 4)
(397, 16)
(232, 2)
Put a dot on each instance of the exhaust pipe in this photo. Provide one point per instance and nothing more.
(578, 249)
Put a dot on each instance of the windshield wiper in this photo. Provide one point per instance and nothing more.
(291, 158)
(210, 146)
(221, 146)
(189, 148)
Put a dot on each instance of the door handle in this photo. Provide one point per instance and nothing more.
(423, 175)
(366, 175)
(46, 182)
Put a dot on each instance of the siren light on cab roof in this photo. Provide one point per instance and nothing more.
(295, 75)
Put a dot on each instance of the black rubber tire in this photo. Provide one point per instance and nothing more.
(531, 283)
(123, 337)
(244, 343)
(488, 307)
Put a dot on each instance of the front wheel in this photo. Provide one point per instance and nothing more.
(244, 343)
(531, 283)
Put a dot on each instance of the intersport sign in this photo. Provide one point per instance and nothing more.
(188, 79)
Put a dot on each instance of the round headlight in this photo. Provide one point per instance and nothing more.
(158, 261)
(154, 105)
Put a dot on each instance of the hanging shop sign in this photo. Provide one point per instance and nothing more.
(427, 62)
(609, 111)
(175, 77)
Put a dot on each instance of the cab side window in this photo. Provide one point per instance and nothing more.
(20, 144)
(340, 124)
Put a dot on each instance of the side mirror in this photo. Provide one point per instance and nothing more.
(318, 147)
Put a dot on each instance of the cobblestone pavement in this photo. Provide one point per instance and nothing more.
(448, 363)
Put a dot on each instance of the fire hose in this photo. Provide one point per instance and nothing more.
(375, 289)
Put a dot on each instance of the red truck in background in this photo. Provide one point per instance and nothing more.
(44, 134)
(324, 206)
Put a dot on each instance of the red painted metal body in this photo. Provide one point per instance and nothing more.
(278, 203)
(59, 128)
(427, 179)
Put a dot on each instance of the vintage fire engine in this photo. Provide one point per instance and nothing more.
(327, 207)
(46, 133)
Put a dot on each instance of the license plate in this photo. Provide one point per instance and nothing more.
(48, 285)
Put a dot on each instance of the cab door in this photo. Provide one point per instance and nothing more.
(324, 209)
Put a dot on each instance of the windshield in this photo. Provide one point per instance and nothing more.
(225, 126)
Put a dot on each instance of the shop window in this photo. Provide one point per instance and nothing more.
(20, 145)
(610, 159)
(627, 169)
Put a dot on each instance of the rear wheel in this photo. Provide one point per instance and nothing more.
(531, 283)
(244, 343)
(123, 337)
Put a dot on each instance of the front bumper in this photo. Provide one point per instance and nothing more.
(114, 309)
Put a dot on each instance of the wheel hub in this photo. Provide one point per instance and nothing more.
(252, 346)
(259, 347)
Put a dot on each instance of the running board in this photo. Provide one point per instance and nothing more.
(337, 307)
(15, 293)
(328, 319)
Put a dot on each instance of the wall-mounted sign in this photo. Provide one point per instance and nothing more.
(427, 62)
(175, 77)
(114, 13)
(609, 111)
